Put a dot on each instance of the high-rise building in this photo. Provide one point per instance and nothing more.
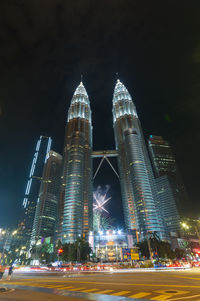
(77, 169)
(46, 214)
(172, 192)
(168, 204)
(33, 185)
(136, 176)
(162, 157)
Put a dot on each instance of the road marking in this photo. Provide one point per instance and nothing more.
(193, 278)
(104, 292)
(139, 295)
(65, 287)
(166, 294)
(121, 293)
(77, 289)
(89, 290)
(185, 298)
(161, 297)
(125, 284)
(171, 292)
(52, 286)
(61, 286)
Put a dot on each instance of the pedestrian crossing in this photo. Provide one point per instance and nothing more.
(148, 295)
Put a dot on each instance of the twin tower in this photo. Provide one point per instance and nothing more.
(139, 196)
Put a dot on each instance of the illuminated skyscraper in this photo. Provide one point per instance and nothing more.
(33, 185)
(162, 157)
(46, 214)
(169, 183)
(137, 183)
(77, 170)
(168, 206)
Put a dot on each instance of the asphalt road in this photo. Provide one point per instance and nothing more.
(159, 285)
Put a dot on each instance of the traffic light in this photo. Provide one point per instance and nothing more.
(60, 251)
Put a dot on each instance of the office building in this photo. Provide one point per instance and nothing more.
(136, 177)
(162, 157)
(33, 185)
(170, 185)
(77, 169)
(46, 215)
(168, 204)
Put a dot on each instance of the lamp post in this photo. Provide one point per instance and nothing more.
(185, 226)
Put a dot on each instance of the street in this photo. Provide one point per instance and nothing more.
(151, 285)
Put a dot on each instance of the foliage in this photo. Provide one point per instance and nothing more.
(160, 249)
(179, 253)
(44, 252)
(78, 251)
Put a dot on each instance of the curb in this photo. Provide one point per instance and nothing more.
(5, 290)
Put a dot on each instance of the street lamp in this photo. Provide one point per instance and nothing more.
(185, 226)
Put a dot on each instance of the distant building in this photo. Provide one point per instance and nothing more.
(46, 214)
(170, 186)
(12, 244)
(33, 185)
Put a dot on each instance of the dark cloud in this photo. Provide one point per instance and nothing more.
(46, 45)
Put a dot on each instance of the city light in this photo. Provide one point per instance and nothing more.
(185, 226)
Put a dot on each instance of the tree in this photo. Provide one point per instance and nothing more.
(179, 253)
(46, 252)
(77, 251)
(160, 249)
(143, 247)
(83, 249)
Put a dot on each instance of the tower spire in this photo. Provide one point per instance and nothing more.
(80, 104)
(120, 92)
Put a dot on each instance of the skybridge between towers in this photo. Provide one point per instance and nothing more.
(104, 155)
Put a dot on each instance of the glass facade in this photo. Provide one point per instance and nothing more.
(136, 176)
(33, 185)
(77, 170)
(46, 214)
(168, 204)
(170, 188)
(162, 157)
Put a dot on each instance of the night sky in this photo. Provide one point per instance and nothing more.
(45, 47)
